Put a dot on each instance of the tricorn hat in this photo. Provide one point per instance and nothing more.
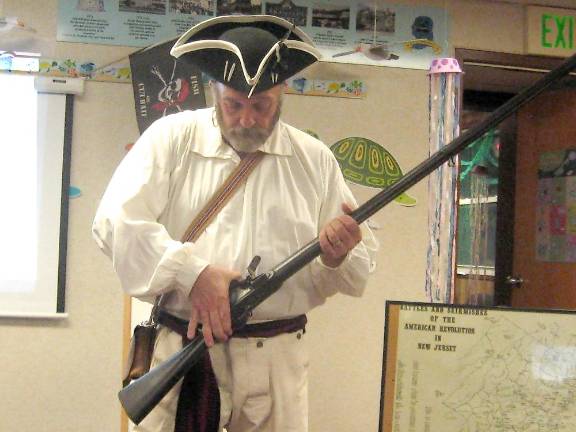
(249, 53)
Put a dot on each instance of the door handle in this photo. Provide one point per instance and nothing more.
(514, 281)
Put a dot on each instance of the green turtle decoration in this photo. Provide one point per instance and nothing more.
(367, 163)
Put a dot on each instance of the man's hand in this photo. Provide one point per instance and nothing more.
(338, 237)
(210, 303)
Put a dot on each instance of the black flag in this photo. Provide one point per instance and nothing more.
(163, 85)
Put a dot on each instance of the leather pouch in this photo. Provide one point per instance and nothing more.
(140, 355)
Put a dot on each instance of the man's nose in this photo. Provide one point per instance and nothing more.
(247, 119)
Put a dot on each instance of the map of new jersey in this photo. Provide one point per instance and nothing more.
(459, 369)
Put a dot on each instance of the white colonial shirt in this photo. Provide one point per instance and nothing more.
(176, 167)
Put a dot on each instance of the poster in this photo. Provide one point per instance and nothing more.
(138, 23)
(454, 368)
(163, 86)
(556, 207)
(345, 31)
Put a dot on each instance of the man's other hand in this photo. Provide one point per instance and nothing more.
(338, 237)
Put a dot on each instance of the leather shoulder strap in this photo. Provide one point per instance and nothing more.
(222, 196)
(212, 207)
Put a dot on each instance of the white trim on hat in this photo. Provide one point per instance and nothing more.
(178, 51)
(243, 19)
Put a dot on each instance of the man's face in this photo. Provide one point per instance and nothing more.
(246, 123)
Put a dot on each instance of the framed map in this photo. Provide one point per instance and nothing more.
(457, 368)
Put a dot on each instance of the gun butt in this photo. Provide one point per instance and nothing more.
(141, 396)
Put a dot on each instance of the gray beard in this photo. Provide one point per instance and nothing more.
(245, 140)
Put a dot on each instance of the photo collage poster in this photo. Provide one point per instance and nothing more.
(369, 32)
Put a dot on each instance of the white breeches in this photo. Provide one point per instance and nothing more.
(263, 384)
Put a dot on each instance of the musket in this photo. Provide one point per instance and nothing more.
(142, 395)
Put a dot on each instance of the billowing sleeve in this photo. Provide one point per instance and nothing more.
(351, 276)
(146, 259)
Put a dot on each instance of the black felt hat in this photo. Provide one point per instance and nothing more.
(249, 53)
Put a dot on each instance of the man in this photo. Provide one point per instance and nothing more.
(295, 194)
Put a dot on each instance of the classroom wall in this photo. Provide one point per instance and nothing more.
(60, 376)
(346, 334)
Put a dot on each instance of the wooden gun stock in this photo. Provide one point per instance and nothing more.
(142, 395)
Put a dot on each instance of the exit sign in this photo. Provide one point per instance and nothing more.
(550, 31)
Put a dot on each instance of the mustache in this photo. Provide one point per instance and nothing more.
(253, 133)
(244, 139)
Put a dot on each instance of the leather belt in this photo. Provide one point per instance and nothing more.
(264, 329)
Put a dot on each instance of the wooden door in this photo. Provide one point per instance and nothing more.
(545, 218)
